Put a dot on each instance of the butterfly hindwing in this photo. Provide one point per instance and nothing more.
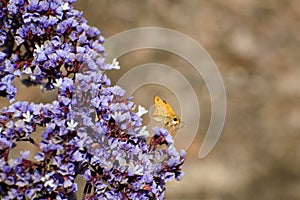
(159, 110)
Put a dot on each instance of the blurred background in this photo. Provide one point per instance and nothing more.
(255, 44)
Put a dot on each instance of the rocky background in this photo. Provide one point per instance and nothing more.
(255, 44)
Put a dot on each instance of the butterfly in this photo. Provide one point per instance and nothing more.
(164, 112)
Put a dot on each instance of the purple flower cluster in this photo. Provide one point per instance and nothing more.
(90, 130)
(44, 40)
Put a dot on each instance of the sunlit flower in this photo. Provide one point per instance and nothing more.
(115, 64)
(141, 111)
(72, 125)
(27, 116)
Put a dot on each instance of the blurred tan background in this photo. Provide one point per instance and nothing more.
(255, 44)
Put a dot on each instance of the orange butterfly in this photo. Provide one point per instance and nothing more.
(164, 112)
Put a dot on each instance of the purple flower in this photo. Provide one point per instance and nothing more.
(90, 130)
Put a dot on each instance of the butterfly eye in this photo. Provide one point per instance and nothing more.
(175, 119)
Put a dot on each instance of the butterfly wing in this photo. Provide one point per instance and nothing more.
(164, 112)
(169, 109)
(172, 119)
(160, 111)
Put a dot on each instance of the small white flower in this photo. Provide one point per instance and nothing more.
(50, 183)
(27, 70)
(65, 6)
(115, 64)
(68, 183)
(143, 132)
(27, 116)
(58, 82)
(39, 49)
(72, 125)
(141, 111)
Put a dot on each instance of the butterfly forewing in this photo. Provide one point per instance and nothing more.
(164, 112)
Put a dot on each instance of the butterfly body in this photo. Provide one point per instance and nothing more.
(165, 113)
